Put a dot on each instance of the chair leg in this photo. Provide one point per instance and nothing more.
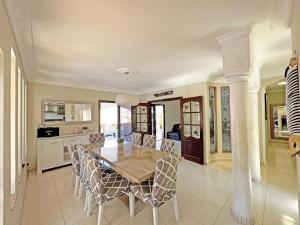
(155, 216)
(89, 203)
(86, 201)
(131, 203)
(80, 190)
(100, 215)
(73, 179)
(175, 207)
(76, 186)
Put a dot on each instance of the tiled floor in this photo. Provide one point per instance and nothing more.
(204, 197)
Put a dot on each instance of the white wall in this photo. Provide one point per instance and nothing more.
(38, 92)
(8, 216)
(296, 28)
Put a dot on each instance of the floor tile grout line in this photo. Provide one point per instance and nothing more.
(61, 211)
(222, 209)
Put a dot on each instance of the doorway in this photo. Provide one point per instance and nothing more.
(115, 121)
(165, 119)
(108, 117)
(158, 121)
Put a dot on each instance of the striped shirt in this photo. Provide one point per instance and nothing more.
(292, 99)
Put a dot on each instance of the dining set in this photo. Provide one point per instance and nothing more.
(131, 171)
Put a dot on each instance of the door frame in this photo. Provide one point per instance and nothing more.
(167, 100)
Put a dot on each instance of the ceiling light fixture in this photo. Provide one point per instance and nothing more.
(282, 83)
(126, 71)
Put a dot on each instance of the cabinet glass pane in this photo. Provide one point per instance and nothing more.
(144, 118)
(196, 118)
(143, 109)
(144, 127)
(186, 118)
(138, 127)
(195, 106)
(138, 109)
(138, 118)
(196, 132)
(187, 130)
(225, 116)
(187, 107)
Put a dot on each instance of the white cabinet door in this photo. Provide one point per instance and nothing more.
(52, 154)
(85, 139)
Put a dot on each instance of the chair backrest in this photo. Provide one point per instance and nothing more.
(168, 145)
(96, 138)
(74, 159)
(95, 178)
(82, 153)
(136, 138)
(165, 177)
(149, 141)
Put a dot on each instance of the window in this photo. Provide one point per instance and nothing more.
(1, 131)
(13, 133)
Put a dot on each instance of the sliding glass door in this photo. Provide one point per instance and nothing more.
(108, 120)
(115, 121)
(125, 122)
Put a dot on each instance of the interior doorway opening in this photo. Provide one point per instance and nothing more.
(166, 121)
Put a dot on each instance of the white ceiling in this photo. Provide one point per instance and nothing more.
(170, 43)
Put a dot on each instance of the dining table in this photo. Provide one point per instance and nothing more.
(134, 162)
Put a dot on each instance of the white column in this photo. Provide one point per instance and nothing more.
(237, 68)
(254, 147)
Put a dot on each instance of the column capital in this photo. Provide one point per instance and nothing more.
(237, 53)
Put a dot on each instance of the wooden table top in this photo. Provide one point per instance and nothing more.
(134, 162)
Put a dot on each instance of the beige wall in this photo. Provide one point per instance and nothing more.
(296, 28)
(8, 216)
(38, 92)
(192, 90)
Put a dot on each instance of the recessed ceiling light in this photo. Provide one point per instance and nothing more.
(282, 83)
(126, 71)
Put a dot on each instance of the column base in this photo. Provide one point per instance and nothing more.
(243, 220)
(256, 180)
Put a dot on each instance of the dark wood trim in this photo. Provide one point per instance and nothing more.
(272, 119)
(191, 142)
(166, 99)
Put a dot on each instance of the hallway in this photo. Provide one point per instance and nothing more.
(277, 195)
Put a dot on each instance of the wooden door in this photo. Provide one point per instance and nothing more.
(191, 110)
(141, 118)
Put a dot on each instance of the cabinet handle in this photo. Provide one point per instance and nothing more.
(52, 143)
(72, 140)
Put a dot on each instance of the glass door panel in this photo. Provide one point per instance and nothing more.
(109, 120)
(225, 116)
(212, 119)
(125, 122)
